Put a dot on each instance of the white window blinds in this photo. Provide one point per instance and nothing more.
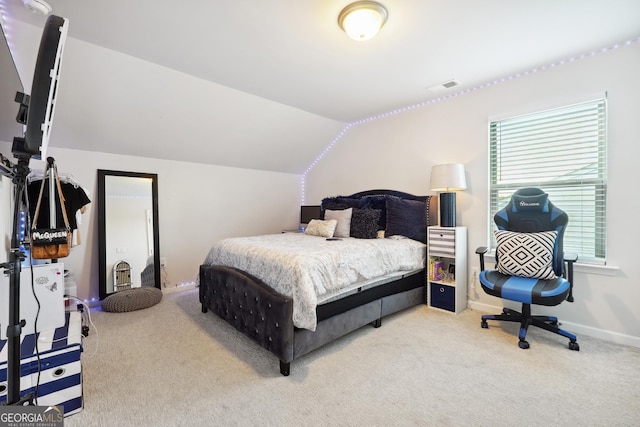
(563, 152)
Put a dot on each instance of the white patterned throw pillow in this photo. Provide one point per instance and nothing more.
(317, 227)
(526, 254)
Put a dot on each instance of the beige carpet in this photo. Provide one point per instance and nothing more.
(171, 365)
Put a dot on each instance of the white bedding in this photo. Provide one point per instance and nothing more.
(310, 268)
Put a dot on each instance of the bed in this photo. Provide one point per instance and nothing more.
(295, 292)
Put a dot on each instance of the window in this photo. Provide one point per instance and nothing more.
(563, 152)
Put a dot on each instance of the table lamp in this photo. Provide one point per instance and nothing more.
(446, 179)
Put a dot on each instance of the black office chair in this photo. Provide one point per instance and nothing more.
(530, 263)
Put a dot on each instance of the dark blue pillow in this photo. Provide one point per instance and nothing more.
(339, 202)
(364, 223)
(406, 218)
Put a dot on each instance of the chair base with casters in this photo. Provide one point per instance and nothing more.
(525, 319)
(528, 291)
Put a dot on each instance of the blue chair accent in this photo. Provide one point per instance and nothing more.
(530, 211)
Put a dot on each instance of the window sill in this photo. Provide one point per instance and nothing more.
(603, 270)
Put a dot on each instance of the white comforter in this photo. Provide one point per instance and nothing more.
(309, 267)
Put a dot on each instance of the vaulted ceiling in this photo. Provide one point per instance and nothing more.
(244, 78)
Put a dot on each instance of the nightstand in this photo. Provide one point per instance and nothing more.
(447, 268)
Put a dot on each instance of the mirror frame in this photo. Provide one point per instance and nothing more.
(102, 174)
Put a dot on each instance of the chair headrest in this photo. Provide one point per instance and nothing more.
(530, 200)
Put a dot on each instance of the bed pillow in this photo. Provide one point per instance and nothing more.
(526, 254)
(406, 218)
(343, 228)
(364, 223)
(322, 228)
(340, 202)
(380, 203)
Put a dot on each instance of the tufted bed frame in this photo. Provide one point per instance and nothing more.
(264, 315)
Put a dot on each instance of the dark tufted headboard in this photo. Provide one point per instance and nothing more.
(432, 205)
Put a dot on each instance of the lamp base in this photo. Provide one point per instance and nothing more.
(447, 209)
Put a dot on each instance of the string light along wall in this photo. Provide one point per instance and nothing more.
(3, 13)
(22, 231)
(432, 101)
(5, 23)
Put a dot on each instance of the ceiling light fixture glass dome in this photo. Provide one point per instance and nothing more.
(363, 19)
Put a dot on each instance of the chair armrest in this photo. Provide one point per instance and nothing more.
(481, 251)
(570, 258)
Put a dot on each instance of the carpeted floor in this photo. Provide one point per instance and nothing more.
(171, 365)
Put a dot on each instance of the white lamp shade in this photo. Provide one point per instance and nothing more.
(448, 177)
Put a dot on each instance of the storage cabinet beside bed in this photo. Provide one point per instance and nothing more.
(447, 268)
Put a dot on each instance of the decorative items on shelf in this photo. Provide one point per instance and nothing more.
(436, 270)
(439, 271)
(452, 272)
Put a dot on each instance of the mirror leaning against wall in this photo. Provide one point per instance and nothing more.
(128, 231)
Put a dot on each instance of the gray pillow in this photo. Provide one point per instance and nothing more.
(364, 223)
(343, 228)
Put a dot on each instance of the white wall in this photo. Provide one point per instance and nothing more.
(198, 204)
(116, 103)
(126, 103)
(398, 152)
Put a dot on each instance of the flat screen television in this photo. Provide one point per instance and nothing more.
(309, 212)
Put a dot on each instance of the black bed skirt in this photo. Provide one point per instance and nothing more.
(324, 311)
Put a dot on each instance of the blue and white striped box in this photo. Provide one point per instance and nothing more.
(442, 241)
(60, 375)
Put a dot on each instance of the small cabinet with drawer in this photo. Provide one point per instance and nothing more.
(447, 268)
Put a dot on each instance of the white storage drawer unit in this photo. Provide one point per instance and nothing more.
(447, 267)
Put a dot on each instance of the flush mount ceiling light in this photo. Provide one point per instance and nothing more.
(37, 6)
(363, 19)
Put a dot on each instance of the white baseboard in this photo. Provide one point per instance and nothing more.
(180, 288)
(98, 303)
(576, 328)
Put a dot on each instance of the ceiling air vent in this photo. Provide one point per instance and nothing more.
(443, 86)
